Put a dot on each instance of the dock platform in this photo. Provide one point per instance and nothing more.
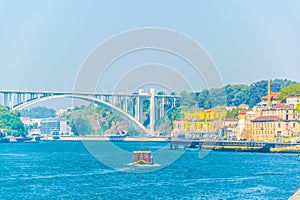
(221, 145)
(296, 196)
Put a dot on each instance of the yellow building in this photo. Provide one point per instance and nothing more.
(278, 122)
(200, 121)
(274, 129)
(264, 128)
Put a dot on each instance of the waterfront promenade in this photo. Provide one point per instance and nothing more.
(112, 138)
(296, 196)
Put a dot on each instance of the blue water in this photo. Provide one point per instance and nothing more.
(66, 170)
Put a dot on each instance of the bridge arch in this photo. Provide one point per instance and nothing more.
(131, 120)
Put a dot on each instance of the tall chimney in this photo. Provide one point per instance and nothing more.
(269, 93)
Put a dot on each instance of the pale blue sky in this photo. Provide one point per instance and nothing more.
(43, 43)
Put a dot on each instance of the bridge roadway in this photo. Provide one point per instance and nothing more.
(50, 93)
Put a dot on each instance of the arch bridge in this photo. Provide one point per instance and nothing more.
(128, 106)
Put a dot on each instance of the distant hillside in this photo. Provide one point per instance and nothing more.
(232, 95)
(95, 120)
(38, 112)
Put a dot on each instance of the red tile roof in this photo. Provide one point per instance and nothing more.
(267, 118)
(242, 112)
(283, 106)
(273, 96)
(293, 97)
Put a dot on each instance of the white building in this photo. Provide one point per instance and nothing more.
(293, 101)
(64, 128)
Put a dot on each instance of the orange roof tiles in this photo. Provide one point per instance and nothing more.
(231, 119)
(283, 106)
(267, 118)
(273, 96)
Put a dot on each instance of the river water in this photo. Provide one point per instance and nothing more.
(66, 170)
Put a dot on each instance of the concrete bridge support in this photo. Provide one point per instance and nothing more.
(139, 111)
(19, 98)
(162, 107)
(152, 110)
(6, 99)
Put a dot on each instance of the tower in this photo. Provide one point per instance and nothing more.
(269, 92)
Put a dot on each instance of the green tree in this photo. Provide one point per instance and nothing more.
(38, 112)
(174, 114)
(298, 108)
(11, 121)
(234, 95)
(233, 113)
(80, 126)
(187, 99)
(291, 90)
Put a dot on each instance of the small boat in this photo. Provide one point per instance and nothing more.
(24, 139)
(143, 157)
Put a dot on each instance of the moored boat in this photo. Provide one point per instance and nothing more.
(24, 139)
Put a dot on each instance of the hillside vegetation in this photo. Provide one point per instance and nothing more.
(291, 90)
(10, 121)
(94, 119)
(234, 95)
(38, 112)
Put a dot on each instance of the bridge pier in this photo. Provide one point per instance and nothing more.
(125, 104)
(31, 95)
(139, 112)
(152, 110)
(11, 100)
(19, 98)
(6, 103)
(113, 100)
(162, 107)
(25, 97)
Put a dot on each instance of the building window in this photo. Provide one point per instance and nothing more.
(278, 125)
